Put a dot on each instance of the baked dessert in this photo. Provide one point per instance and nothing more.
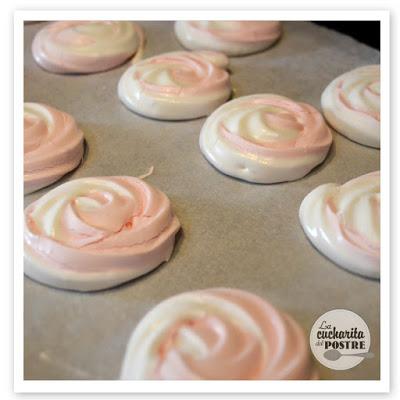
(67, 47)
(234, 38)
(223, 334)
(351, 104)
(265, 138)
(176, 86)
(95, 233)
(343, 223)
(53, 145)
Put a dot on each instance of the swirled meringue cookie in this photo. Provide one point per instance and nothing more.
(265, 138)
(233, 38)
(176, 86)
(343, 223)
(53, 145)
(220, 334)
(86, 46)
(95, 233)
(351, 104)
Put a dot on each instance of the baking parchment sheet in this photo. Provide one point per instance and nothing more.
(235, 234)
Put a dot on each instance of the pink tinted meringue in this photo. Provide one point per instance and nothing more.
(343, 222)
(230, 37)
(95, 233)
(351, 104)
(53, 145)
(86, 46)
(177, 85)
(221, 334)
(265, 138)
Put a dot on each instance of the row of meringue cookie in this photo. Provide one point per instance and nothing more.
(94, 233)
(172, 86)
(94, 46)
(269, 138)
(183, 85)
(54, 145)
(260, 138)
(187, 85)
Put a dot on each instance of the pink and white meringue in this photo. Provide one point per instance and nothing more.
(176, 86)
(53, 145)
(95, 233)
(217, 334)
(86, 46)
(351, 104)
(343, 223)
(265, 138)
(233, 38)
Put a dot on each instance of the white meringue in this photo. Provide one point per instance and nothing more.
(233, 38)
(176, 86)
(351, 104)
(86, 46)
(265, 138)
(95, 233)
(217, 334)
(53, 145)
(343, 223)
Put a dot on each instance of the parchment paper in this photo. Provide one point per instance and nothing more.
(235, 234)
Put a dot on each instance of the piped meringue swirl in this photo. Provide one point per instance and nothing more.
(220, 334)
(233, 38)
(53, 145)
(94, 233)
(343, 222)
(86, 46)
(177, 85)
(265, 138)
(351, 104)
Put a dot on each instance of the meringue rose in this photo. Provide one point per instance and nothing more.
(95, 233)
(234, 38)
(343, 223)
(221, 334)
(86, 46)
(265, 138)
(176, 86)
(351, 104)
(53, 145)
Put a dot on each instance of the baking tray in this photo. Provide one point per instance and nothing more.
(235, 234)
